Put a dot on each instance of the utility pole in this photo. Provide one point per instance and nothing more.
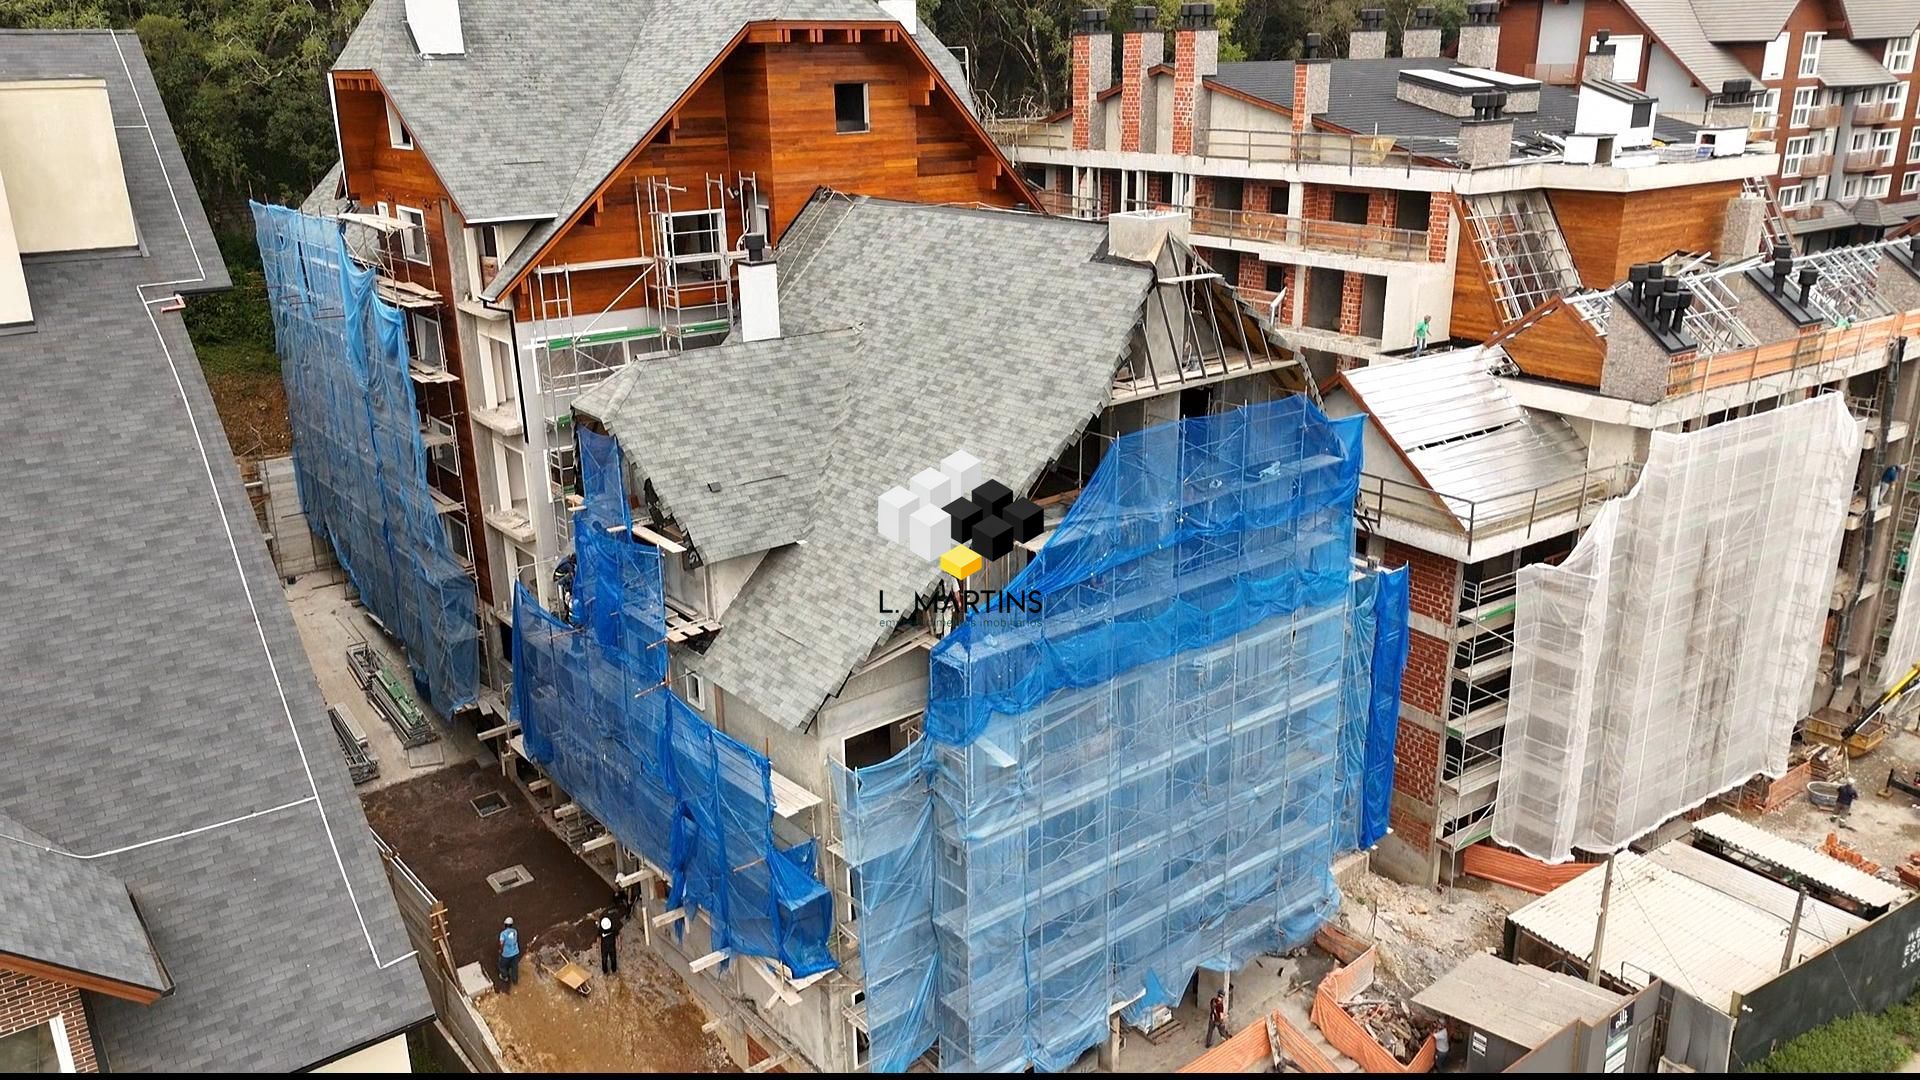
(1793, 930)
(1600, 927)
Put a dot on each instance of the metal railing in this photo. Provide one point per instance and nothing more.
(1310, 147)
(1554, 74)
(1029, 132)
(1868, 159)
(1823, 116)
(1524, 511)
(1333, 236)
(1812, 165)
(1884, 112)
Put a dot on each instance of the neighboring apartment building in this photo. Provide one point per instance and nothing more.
(1840, 101)
(1363, 197)
(1494, 458)
(547, 215)
(187, 883)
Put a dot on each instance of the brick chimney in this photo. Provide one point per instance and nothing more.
(1092, 74)
(1369, 42)
(1421, 41)
(1311, 79)
(1480, 36)
(1141, 48)
(1600, 60)
(1196, 55)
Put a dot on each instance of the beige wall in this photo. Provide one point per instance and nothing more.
(60, 156)
(383, 1057)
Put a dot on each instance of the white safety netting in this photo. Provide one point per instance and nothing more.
(1669, 657)
(1903, 644)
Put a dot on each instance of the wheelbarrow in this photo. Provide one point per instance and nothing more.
(572, 976)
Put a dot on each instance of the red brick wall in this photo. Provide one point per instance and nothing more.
(1414, 831)
(1257, 197)
(1186, 91)
(1300, 117)
(1352, 287)
(1082, 91)
(1439, 225)
(26, 1001)
(1435, 581)
(1294, 283)
(1317, 205)
(1132, 84)
(1425, 684)
(1383, 209)
(1253, 273)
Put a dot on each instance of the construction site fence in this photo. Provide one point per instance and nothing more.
(1523, 872)
(357, 449)
(1831, 346)
(590, 693)
(1348, 1035)
(1150, 774)
(1866, 972)
(425, 918)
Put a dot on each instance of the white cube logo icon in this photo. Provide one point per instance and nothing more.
(896, 506)
(934, 488)
(965, 471)
(927, 532)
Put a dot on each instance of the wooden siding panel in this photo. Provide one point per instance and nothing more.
(1474, 314)
(1559, 347)
(1608, 232)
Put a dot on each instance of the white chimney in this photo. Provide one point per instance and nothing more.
(759, 282)
(904, 12)
(435, 26)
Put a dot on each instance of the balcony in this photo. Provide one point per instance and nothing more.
(1554, 74)
(1338, 237)
(1868, 160)
(1885, 112)
(512, 522)
(1034, 133)
(1813, 165)
(1525, 512)
(1825, 116)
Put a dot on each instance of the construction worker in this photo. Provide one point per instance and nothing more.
(1848, 793)
(1420, 331)
(609, 945)
(1217, 1016)
(509, 956)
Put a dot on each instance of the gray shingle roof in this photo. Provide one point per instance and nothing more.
(69, 913)
(1872, 20)
(1673, 22)
(1842, 63)
(1734, 20)
(143, 718)
(1360, 98)
(550, 96)
(1018, 313)
(745, 418)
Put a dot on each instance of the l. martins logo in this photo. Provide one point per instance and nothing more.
(954, 515)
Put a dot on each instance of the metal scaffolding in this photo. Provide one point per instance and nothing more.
(1522, 250)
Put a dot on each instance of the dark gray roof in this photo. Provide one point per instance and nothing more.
(1360, 98)
(1872, 20)
(1831, 216)
(69, 913)
(162, 716)
(550, 96)
(1881, 214)
(1033, 353)
(743, 418)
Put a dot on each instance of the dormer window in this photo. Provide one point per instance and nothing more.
(397, 132)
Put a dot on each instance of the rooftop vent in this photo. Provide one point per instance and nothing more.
(1659, 304)
(435, 26)
(1093, 20)
(1369, 40)
(1372, 18)
(1195, 17)
(1146, 17)
(1775, 281)
(1313, 47)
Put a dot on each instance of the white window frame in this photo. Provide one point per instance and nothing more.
(1790, 196)
(1899, 55)
(1795, 150)
(1878, 186)
(1819, 189)
(1886, 147)
(1910, 183)
(56, 1026)
(399, 135)
(866, 109)
(423, 338)
(1850, 190)
(1810, 53)
(416, 226)
(1774, 64)
(1897, 97)
(696, 694)
(498, 377)
(1768, 111)
(1913, 147)
(1803, 99)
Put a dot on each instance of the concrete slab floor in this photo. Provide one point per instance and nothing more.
(329, 624)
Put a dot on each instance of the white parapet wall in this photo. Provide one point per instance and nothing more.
(1670, 656)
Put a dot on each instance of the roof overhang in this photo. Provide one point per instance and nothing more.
(83, 980)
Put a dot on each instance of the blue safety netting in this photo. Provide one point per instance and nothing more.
(591, 696)
(357, 451)
(1152, 774)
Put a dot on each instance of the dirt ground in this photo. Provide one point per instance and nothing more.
(1423, 932)
(640, 1021)
(1885, 829)
(253, 409)
(430, 823)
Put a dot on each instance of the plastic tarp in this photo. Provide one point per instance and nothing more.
(357, 451)
(1150, 774)
(590, 692)
(1903, 643)
(1669, 657)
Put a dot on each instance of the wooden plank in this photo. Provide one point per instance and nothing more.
(667, 917)
(604, 840)
(511, 727)
(628, 881)
(711, 960)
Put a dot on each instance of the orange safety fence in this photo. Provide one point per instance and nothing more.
(1490, 863)
(1350, 1036)
(1251, 1047)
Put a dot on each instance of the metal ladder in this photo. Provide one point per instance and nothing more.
(1773, 225)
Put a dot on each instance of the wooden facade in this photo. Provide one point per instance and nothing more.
(1607, 232)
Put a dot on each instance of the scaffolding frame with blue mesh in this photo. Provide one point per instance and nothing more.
(590, 693)
(357, 449)
(1152, 773)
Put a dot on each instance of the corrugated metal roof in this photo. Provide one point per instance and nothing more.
(1842, 63)
(1673, 22)
(1830, 872)
(1522, 1004)
(1871, 20)
(1764, 893)
(1665, 925)
(1467, 438)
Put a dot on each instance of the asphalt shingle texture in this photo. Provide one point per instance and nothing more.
(70, 913)
(563, 89)
(144, 702)
(987, 331)
(743, 418)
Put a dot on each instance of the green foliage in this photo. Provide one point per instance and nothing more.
(1856, 1044)
(233, 330)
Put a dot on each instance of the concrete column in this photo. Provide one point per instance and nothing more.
(1141, 48)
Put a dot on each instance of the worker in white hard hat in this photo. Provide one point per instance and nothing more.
(509, 956)
(609, 945)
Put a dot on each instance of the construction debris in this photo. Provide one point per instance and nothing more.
(1834, 847)
(362, 766)
(1392, 1025)
(391, 699)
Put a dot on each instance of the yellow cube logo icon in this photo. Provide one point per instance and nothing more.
(962, 562)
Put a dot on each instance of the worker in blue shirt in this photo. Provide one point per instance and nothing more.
(509, 956)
